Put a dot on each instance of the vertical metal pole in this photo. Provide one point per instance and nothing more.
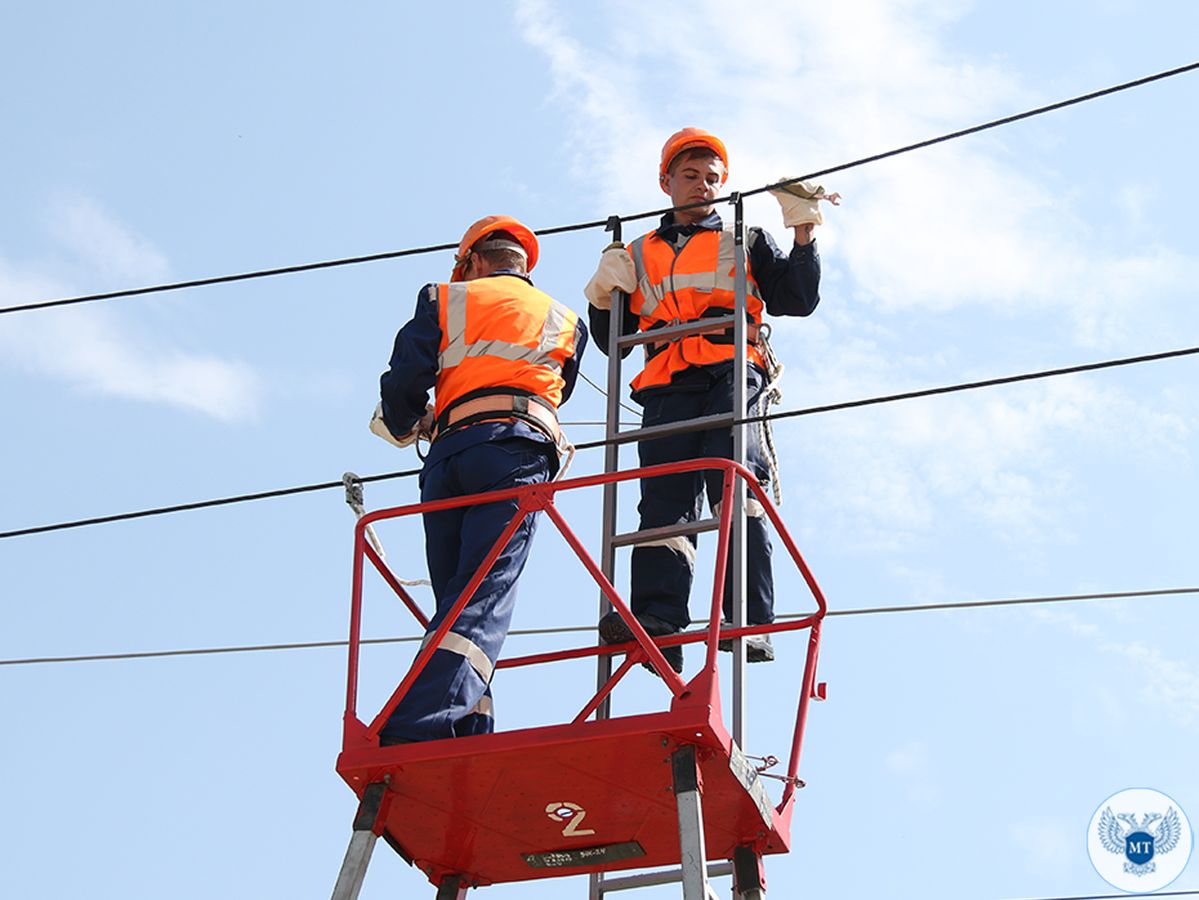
(749, 881)
(452, 888)
(603, 663)
(692, 853)
(362, 843)
(740, 403)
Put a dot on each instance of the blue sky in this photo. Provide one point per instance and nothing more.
(961, 754)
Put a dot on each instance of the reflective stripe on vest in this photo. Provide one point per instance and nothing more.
(459, 348)
(696, 282)
(722, 276)
(501, 333)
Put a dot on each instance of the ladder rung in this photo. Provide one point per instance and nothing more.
(663, 876)
(688, 425)
(684, 329)
(664, 531)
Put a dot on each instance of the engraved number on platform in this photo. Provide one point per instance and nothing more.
(571, 815)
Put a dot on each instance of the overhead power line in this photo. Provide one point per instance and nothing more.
(583, 629)
(931, 392)
(201, 504)
(598, 223)
(786, 414)
(1120, 896)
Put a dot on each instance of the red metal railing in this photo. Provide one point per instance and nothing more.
(540, 498)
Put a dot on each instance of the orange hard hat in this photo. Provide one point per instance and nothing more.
(686, 138)
(527, 242)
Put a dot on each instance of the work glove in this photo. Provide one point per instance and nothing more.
(800, 201)
(615, 270)
(422, 428)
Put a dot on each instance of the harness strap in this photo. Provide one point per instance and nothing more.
(499, 403)
(716, 337)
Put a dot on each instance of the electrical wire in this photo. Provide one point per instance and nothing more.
(202, 504)
(604, 393)
(597, 223)
(926, 392)
(682, 428)
(994, 123)
(1119, 896)
(583, 629)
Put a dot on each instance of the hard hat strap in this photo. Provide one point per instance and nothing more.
(501, 244)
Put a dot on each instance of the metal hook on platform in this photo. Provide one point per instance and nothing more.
(356, 500)
(769, 762)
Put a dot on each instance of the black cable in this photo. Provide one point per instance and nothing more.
(927, 392)
(202, 504)
(1018, 601)
(1119, 896)
(591, 445)
(599, 223)
(224, 279)
(604, 393)
(995, 123)
(581, 629)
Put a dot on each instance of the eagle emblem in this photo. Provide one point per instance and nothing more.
(1139, 841)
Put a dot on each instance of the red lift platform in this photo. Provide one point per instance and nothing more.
(593, 795)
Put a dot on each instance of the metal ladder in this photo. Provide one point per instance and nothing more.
(694, 871)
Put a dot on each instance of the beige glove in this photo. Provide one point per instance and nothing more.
(423, 427)
(615, 270)
(801, 202)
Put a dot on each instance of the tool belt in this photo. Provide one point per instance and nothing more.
(716, 337)
(493, 404)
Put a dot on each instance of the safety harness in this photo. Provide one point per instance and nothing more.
(506, 404)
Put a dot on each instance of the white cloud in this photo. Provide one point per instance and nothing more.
(1168, 683)
(1007, 460)
(965, 227)
(913, 765)
(958, 225)
(94, 348)
(104, 244)
(908, 758)
(1171, 685)
(1045, 845)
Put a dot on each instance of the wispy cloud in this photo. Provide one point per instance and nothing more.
(1045, 845)
(101, 243)
(1171, 685)
(1003, 460)
(964, 228)
(96, 349)
(913, 765)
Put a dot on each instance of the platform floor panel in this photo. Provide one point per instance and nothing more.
(564, 800)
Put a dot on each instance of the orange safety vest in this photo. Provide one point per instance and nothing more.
(692, 283)
(500, 336)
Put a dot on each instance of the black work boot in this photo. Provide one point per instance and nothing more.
(614, 630)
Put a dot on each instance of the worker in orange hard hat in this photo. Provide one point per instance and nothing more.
(515, 237)
(683, 271)
(500, 357)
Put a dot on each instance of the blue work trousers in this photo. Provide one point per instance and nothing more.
(661, 574)
(452, 696)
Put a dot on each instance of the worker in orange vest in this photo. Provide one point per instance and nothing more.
(682, 272)
(500, 357)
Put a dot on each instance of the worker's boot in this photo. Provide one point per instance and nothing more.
(614, 630)
(757, 646)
